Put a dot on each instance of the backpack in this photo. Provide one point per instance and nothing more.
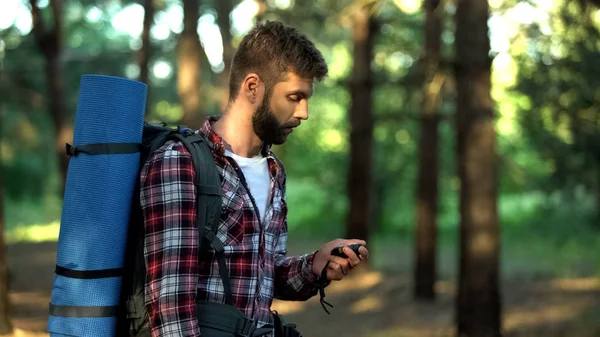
(132, 319)
(214, 319)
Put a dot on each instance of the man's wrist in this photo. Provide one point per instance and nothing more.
(308, 273)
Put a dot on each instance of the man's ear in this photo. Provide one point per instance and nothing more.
(253, 88)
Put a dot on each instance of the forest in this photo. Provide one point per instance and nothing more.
(459, 138)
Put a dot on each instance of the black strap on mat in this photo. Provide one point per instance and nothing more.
(103, 148)
(83, 311)
(88, 274)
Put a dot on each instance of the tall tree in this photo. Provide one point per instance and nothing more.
(427, 182)
(144, 52)
(5, 323)
(49, 40)
(262, 9)
(224, 9)
(360, 180)
(478, 302)
(189, 53)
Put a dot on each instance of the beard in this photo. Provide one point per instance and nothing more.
(267, 127)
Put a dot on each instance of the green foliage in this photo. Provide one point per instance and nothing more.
(557, 85)
(555, 141)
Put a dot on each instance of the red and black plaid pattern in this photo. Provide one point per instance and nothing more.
(255, 251)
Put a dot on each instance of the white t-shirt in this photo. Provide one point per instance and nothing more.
(256, 173)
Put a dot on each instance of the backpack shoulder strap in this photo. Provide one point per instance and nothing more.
(208, 183)
(208, 200)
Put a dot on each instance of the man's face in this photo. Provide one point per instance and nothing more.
(283, 107)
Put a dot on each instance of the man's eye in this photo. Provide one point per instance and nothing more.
(294, 98)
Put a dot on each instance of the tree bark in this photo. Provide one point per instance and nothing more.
(145, 51)
(262, 9)
(189, 53)
(427, 181)
(478, 302)
(224, 9)
(597, 194)
(360, 180)
(5, 322)
(49, 42)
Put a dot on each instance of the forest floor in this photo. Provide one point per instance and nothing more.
(370, 303)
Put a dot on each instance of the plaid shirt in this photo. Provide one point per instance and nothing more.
(255, 252)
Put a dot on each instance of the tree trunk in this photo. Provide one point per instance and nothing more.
(189, 52)
(597, 193)
(5, 323)
(478, 302)
(262, 9)
(144, 53)
(224, 9)
(49, 42)
(361, 127)
(427, 182)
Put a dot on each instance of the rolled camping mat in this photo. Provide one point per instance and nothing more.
(97, 203)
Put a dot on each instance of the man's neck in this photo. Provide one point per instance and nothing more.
(238, 134)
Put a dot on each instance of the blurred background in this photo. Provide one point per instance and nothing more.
(460, 138)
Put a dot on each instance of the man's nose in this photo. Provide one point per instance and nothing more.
(302, 110)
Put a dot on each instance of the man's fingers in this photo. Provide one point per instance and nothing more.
(353, 241)
(354, 260)
(333, 276)
(334, 272)
(339, 265)
(363, 252)
(342, 262)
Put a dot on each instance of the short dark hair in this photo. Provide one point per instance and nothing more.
(270, 50)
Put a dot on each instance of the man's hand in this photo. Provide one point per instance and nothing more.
(338, 266)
